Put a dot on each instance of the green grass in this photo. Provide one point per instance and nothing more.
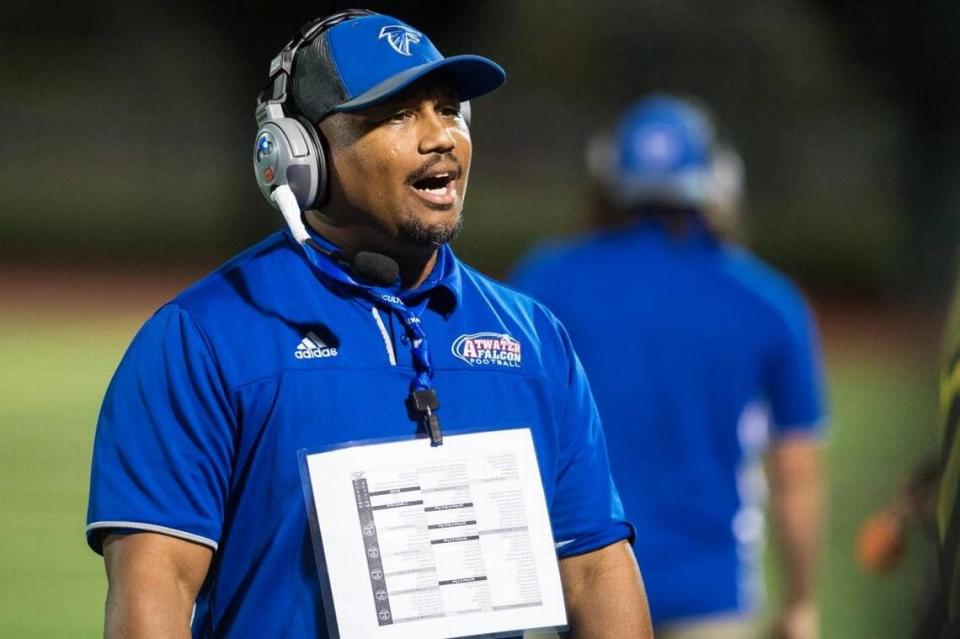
(53, 374)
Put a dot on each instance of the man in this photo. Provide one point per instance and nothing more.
(691, 345)
(298, 343)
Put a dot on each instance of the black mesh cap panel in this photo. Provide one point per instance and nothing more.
(315, 86)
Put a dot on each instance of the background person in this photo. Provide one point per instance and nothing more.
(948, 504)
(702, 359)
(885, 535)
(318, 336)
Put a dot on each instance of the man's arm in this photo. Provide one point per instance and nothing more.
(793, 468)
(604, 595)
(153, 581)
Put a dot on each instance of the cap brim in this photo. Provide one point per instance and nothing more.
(472, 76)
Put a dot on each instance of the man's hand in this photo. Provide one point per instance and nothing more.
(604, 595)
(153, 583)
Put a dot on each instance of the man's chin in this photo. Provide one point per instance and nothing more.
(416, 233)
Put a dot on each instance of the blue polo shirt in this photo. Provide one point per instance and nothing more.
(279, 351)
(698, 355)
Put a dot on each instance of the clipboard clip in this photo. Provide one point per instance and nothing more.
(425, 402)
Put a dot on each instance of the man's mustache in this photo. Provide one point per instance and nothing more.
(424, 169)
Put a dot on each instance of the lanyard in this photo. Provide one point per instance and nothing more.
(414, 329)
(423, 397)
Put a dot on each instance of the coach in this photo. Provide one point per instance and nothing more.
(703, 360)
(319, 336)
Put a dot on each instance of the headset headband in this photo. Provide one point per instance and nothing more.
(281, 67)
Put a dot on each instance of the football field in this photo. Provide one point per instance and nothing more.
(54, 368)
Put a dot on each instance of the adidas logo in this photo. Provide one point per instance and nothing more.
(312, 346)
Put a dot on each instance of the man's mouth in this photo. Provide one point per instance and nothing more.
(438, 188)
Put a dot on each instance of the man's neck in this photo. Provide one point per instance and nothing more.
(416, 263)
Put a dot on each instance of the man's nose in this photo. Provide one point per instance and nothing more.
(435, 135)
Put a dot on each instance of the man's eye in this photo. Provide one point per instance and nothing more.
(450, 112)
(400, 116)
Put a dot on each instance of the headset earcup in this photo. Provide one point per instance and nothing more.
(318, 151)
(285, 153)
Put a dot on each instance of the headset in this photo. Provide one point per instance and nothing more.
(288, 150)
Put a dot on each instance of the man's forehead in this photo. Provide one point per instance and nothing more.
(435, 87)
(344, 127)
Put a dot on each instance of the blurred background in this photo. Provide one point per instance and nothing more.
(127, 174)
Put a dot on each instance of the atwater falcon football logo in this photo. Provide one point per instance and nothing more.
(493, 349)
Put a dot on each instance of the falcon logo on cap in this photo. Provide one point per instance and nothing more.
(400, 37)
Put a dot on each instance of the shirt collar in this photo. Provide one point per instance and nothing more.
(697, 232)
(442, 289)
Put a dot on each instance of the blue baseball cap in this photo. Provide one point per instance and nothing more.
(367, 59)
(661, 151)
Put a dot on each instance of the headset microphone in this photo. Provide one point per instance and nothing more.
(373, 267)
(376, 268)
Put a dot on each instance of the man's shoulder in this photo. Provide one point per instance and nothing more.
(249, 314)
(764, 283)
(241, 282)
